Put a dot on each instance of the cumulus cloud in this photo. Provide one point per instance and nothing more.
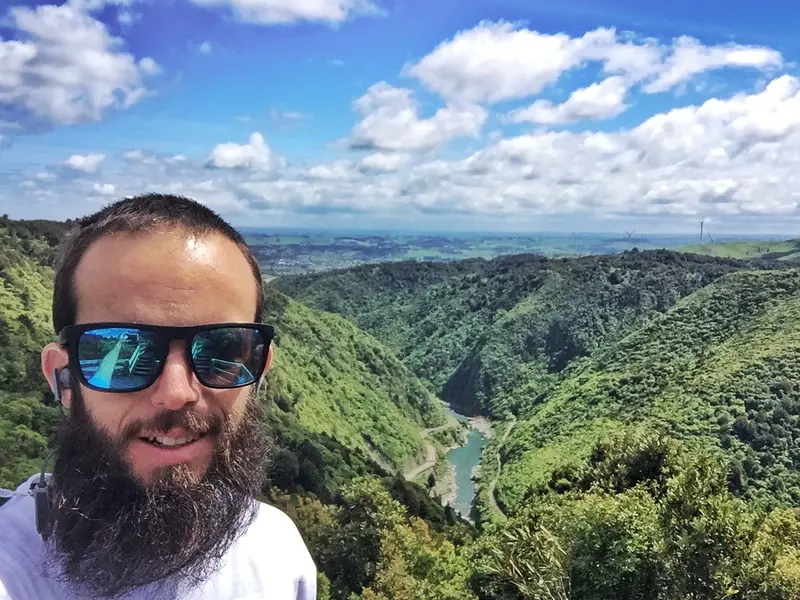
(733, 160)
(205, 48)
(598, 101)
(383, 162)
(253, 155)
(65, 68)
(290, 11)
(106, 189)
(689, 57)
(495, 62)
(391, 121)
(86, 163)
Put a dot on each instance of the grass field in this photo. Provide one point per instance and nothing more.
(787, 250)
(295, 251)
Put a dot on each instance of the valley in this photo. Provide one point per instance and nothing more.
(503, 428)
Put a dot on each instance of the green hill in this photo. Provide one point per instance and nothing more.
(26, 424)
(340, 402)
(788, 250)
(719, 369)
(478, 330)
(335, 380)
(657, 433)
(657, 421)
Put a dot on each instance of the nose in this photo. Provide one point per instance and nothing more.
(177, 385)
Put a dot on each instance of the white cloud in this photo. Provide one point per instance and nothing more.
(134, 155)
(690, 57)
(290, 11)
(600, 100)
(126, 18)
(497, 61)
(87, 163)
(391, 121)
(106, 189)
(732, 160)
(149, 66)
(65, 68)
(383, 162)
(494, 62)
(205, 48)
(253, 155)
(341, 171)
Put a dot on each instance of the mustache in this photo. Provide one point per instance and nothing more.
(187, 418)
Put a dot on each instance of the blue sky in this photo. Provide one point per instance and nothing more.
(454, 114)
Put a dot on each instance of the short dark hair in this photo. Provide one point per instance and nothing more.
(139, 214)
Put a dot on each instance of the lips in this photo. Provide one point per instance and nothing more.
(169, 441)
(152, 451)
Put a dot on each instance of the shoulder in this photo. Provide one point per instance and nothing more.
(18, 518)
(274, 528)
(276, 551)
(274, 519)
(20, 547)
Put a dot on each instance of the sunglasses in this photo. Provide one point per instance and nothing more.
(129, 357)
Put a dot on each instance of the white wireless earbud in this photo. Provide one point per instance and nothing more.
(56, 386)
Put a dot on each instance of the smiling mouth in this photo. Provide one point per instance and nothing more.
(171, 443)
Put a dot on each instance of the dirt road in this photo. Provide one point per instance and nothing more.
(493, 484)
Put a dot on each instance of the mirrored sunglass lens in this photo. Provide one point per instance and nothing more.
(229, 356)
(118, 358)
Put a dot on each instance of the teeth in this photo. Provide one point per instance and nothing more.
(172, 441)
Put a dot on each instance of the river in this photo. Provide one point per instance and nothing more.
(465, 459)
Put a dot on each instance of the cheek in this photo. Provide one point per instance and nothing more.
(108, 411)
(232, 403)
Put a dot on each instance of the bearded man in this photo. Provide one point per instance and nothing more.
(161, 350)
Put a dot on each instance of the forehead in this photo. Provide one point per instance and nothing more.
(169, 277)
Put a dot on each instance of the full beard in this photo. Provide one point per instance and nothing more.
(112, 533)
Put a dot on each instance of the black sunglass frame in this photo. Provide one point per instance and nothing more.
(69, 337)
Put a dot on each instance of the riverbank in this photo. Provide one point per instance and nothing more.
(463, 461)
(447, 487)
(455, 475)
(482, 424)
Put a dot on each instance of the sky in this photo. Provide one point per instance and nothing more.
(488, 115)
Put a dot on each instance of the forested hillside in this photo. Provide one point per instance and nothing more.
(478, 331)
(26, 250)
(654, 454)
(721, 369)
(657, 435)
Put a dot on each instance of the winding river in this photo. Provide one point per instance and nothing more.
(465, 459)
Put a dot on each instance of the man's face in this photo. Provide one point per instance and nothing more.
(126, 513)
(164, 278)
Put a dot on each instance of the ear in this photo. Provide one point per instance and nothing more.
(54, 356)
(269, 357)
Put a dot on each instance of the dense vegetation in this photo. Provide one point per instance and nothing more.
(654, 454)
(26, 424)
(719, 369)
(332, 381)
(583, 353)
(642, 518)
(479, 330)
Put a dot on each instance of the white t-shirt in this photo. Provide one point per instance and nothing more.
(270, 560)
